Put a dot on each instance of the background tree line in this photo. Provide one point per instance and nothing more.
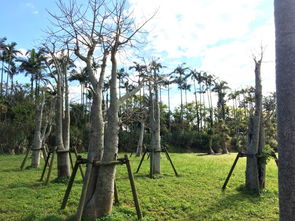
(216, 121)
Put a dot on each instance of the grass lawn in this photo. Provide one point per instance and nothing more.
(194, 195)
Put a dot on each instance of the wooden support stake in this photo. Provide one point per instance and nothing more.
(84, 192)
(142, 158)
(45, 166)
(25, 159)
(44, 153)
(231, 171)
(168, 157)
(69, 188)
(71, 160)
(116, 197)
(50, 168)
(133, 188)
(80, 167)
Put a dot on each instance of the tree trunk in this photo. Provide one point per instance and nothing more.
(285, 84)
(94, 206)
(37, 139)
(102, 200)
(140, 139)
(261, 161)
(63, 160)
(66, 121)
(252, 182)
(155, 159)
(169, 107)
(197, 106)
(252, 169)
(1, 85)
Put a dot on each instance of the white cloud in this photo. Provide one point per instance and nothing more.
(223, 35)
(31, 7)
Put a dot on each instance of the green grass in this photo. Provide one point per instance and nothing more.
(194, 195)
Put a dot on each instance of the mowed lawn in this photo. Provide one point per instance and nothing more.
(194, 195)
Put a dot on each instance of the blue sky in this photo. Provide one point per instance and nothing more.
(215, 36)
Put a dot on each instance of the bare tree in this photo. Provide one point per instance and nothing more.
(100, 29)
(255, 171)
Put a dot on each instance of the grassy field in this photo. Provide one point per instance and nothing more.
(194, 195)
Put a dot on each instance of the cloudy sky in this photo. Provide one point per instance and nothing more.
(219, 37)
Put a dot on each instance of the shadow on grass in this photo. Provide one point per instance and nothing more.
(147, 176)
(232, 201)
(203, 154)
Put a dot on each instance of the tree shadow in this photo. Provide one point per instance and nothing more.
(230, 202)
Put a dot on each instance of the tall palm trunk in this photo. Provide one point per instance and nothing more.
(211, 132)
(1, 85)
(169, 107)
(285, 78)
(7, 80)
(181, 111)
(197, 106)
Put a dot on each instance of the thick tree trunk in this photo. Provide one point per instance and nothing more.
(37, 139)
(156, 141)
(261, 161)
(155, 159)
(63, 160)
(285, 83)
(253, 168)
(140, 139)
(95, 151)
(102, 200)
(99, 197)
(252, 182)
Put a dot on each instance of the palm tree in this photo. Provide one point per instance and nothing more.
(11, 71)
(220, 88)
(83, 78)
(3, 47)
(179, 77)
(209, 81)
(33, 65)
(9, 55)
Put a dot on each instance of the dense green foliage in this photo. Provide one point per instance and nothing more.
(203, 125)
(194, 195)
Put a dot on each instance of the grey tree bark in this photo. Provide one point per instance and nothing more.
(254, 168)
(63, 160)
(140, 139)
(285, 84)
(37, 139)
(154, 118)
